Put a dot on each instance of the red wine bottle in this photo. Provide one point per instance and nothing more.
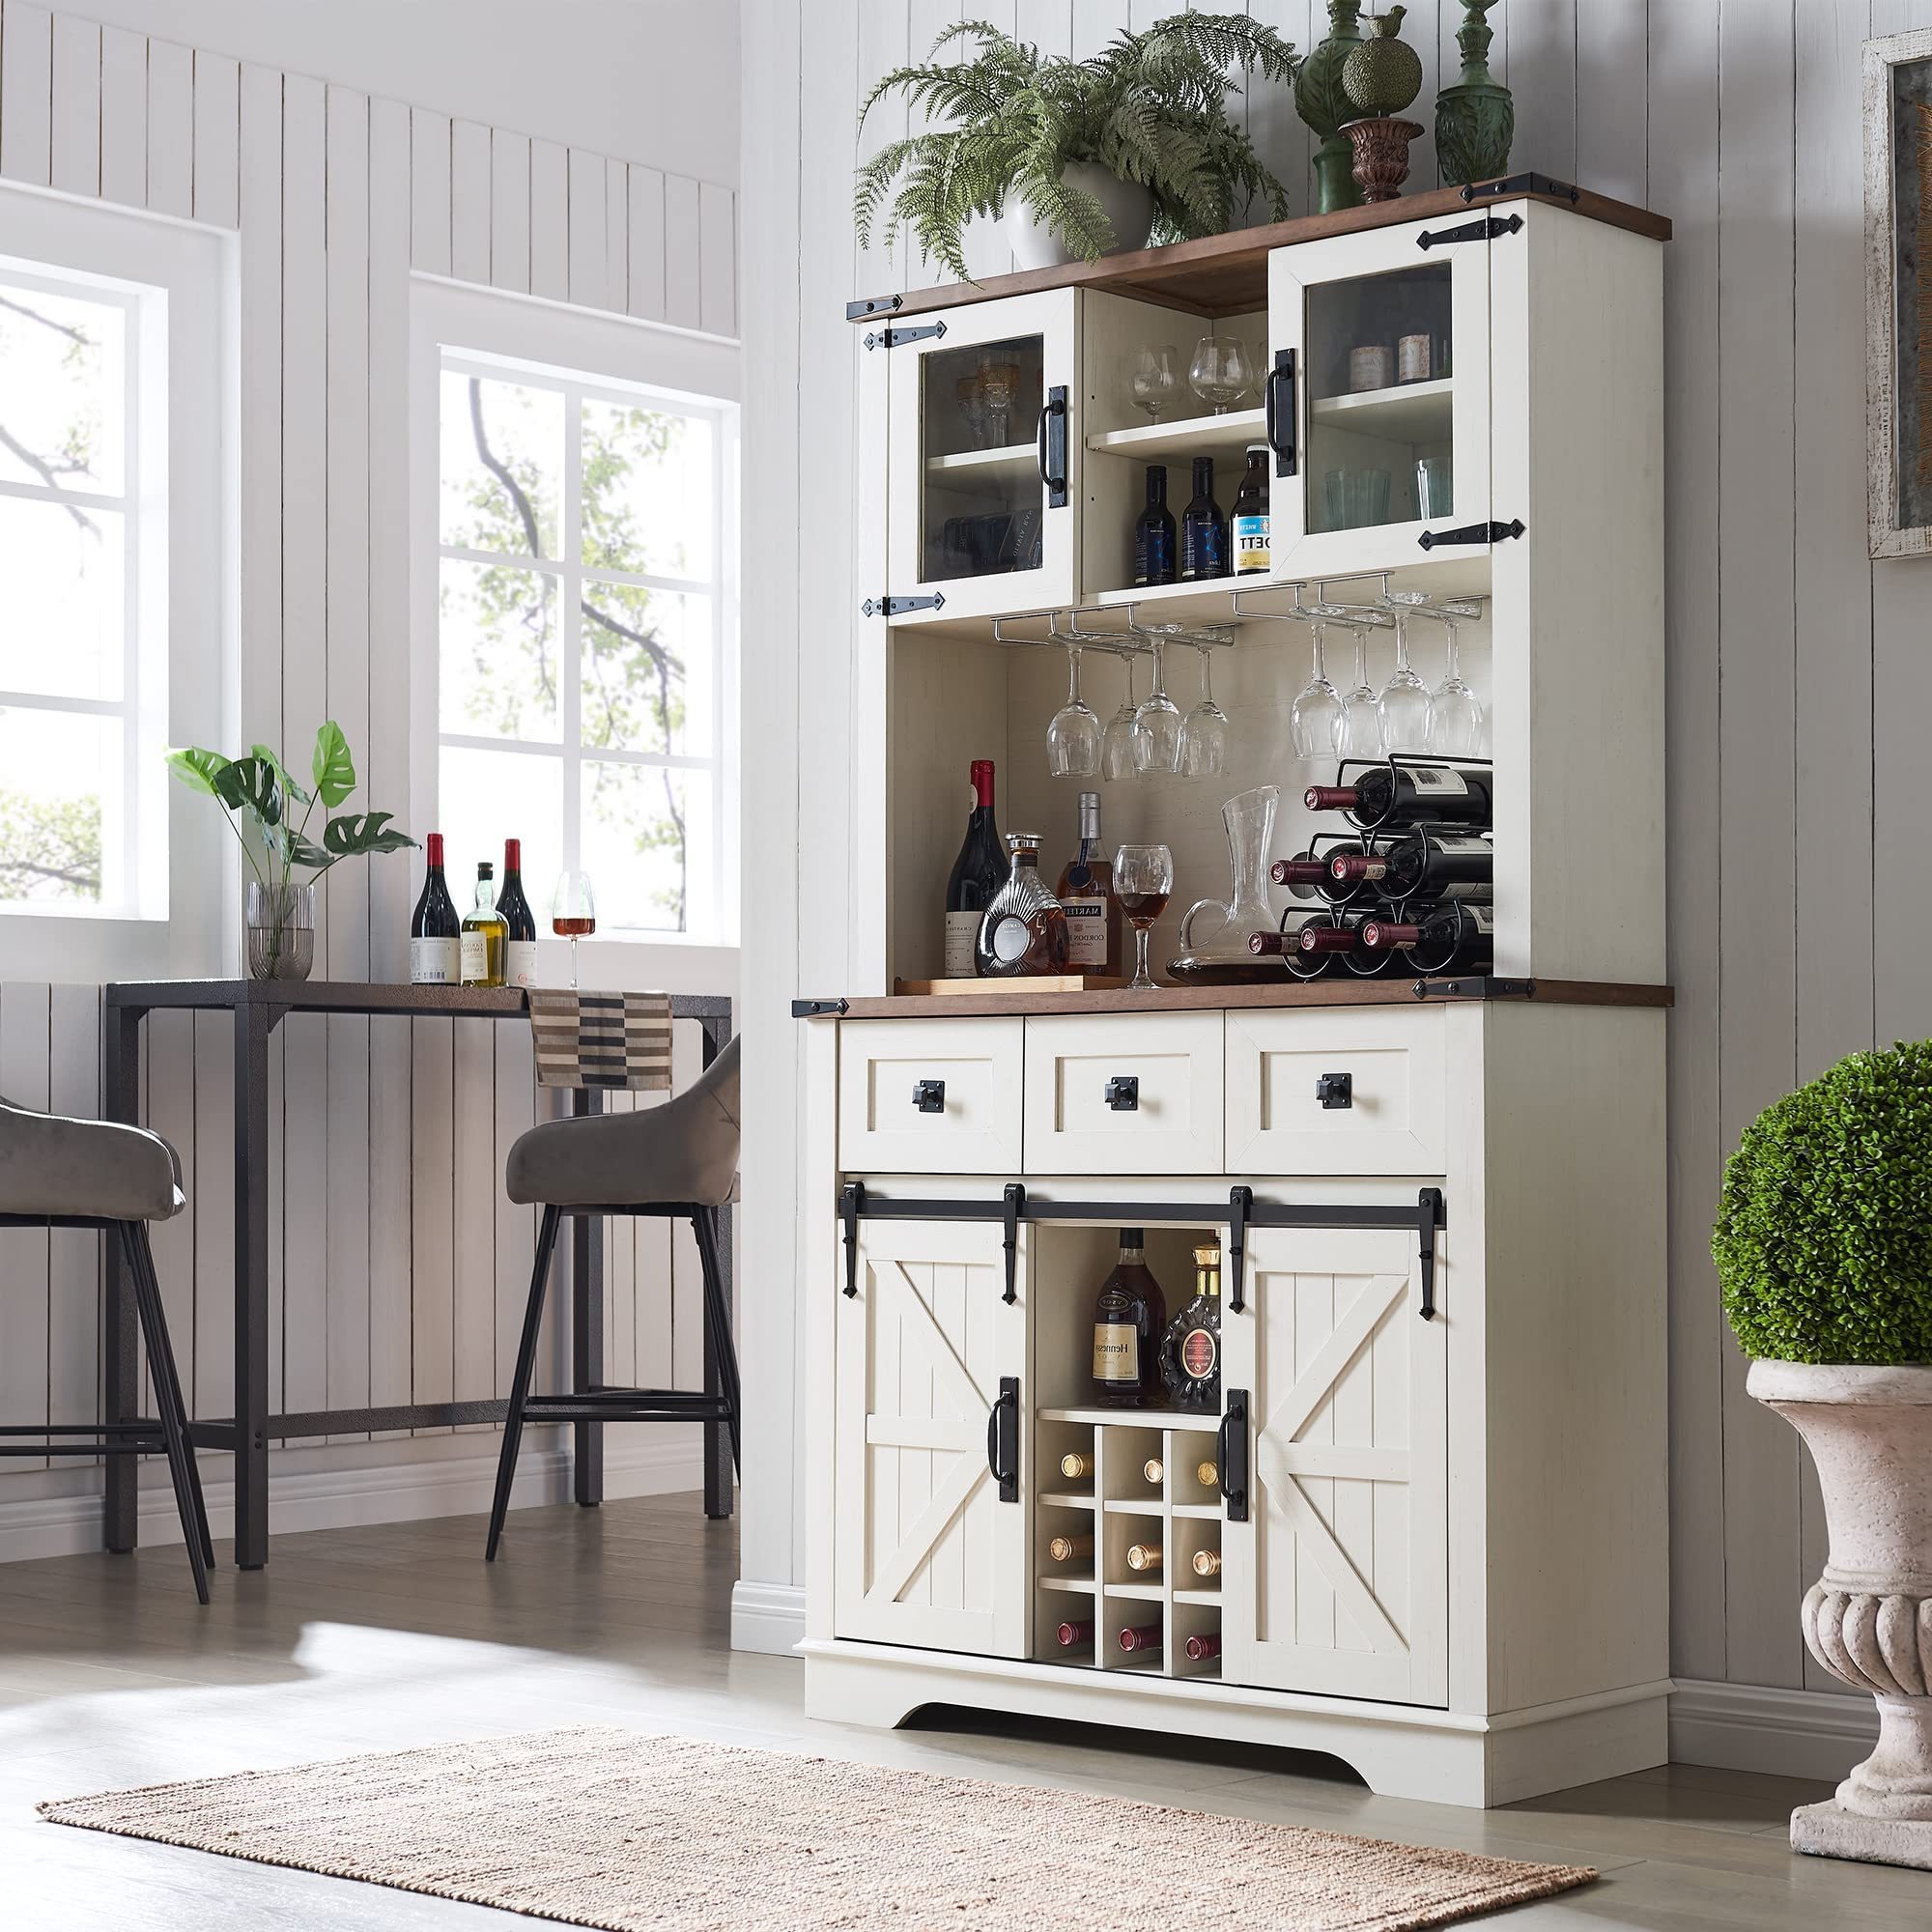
(1396, 796)
(520, 948)
(1339, 941)
(1142, 1639)
(1304, 875)
(1453, 938)
(436, 934)
(1075, 1631)
(1205, 1646)
(1428, 864)
(978, 874)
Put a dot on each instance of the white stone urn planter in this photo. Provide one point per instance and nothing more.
(1129, 210)
(1868, 1618)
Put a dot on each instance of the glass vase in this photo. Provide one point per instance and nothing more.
(279, 922)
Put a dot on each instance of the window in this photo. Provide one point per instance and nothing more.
(583, 624)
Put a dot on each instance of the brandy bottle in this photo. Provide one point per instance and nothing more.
(1023, 934)
(1129, 1314)
(1190, 1351)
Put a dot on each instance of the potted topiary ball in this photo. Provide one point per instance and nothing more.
(1824, 1250)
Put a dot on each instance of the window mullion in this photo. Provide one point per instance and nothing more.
(570, 589)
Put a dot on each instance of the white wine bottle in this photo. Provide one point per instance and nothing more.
(1143, 1556)
(1069, 1548)
(1073, 1465)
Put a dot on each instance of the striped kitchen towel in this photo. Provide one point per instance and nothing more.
(602, 1039)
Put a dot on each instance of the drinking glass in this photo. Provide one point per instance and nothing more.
(1405, 706)
(1361, 714)
(1117, 747)
(999, 389)
(1455, 715)
(1435, 486)
(1156, 379)
(1316, 718)
(1073, 737)
(1356, 498)
(1219, 374)
(972, 398)
(1203, 731)
(573, 913)
(1157, 727)
(1143, 884)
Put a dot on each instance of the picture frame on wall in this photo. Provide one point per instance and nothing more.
(1898, 292)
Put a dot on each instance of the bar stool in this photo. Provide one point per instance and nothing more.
(679, 1161)
(58, 1173)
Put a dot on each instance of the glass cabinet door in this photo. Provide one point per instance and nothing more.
(981, 495)
(1380, 352)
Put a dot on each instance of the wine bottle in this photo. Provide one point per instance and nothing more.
(1143, 1556)
(1456, 937)
(1075, 1631)
(1428, 865)
(1075, 1466)
(1128, 1315)
(1190, 1351)
(1304, 875)
(1086, 896)
(1341, 939)
(1141, 1637)
(1206, 1562)
(978, 874)
(1286, 946)
(1396, 796)
(1310, 875)
(520, 929)
(1154, 533)
(1253, 553)
(435, 957)
(1023, 932)
(1204, 531)
(1204, 1645)
(1208, 1473)
(480, 940)
(1069, 1548)
(1154, 1469)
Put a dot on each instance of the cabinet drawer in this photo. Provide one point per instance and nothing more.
(1386, 1064)
(1123, 1094)
(931, 1097)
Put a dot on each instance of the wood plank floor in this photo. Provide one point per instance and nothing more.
(372, 1639)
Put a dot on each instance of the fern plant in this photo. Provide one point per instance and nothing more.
(1150, 108)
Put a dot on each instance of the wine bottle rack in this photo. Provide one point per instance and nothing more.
(1114, 1501)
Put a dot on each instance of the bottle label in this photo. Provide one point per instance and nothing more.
(1251, 542)
(1460, 842)
(520, 963)
(1012, 937)
(1483, 918)
(1117, 1352)
(1437, 781)
(1086, 933)
(962, 928)
(474, 956)
(435, 963)
(1199, 1352)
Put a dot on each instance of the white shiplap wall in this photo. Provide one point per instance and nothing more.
(400, 1270)
(1798, 672)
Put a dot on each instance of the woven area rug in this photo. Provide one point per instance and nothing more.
(608, 1828)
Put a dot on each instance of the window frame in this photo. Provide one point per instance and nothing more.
(176, 283)
(595, 356)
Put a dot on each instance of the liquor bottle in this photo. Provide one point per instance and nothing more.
(1206, 1562)
(1143, 1556)
(1086, 896)
(1023, 932)
(1073, 1465)
(1154, 1469)
(1154, 533)
(1253, 551)
(1457, 937)
(1204, 531)
(1207, 1645)
(1190, 1351)
(978, 874)
(1396, 796)
(1128, 1315)
(481, 942)
(1141, 1638)
(1428, 865)
(1208, 1473)
(1075, 1631)
(519, 944)
(1069, 1548)
(436, 954)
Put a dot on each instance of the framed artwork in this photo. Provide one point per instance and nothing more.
(1898, 292)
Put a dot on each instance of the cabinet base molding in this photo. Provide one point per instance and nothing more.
(1442, 1757)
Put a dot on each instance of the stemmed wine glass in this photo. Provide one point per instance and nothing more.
(1143, 884)
(573, 913)
(1316, 718)
(1156, 380)
(1204, 733)
(1073, 737)
(1117, 746)
(1361, 714)
(1158, 726)
(1406, 708)
(1455, 715)
(1219, 372)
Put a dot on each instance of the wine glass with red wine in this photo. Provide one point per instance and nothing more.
(1143, 883)
(573, 913)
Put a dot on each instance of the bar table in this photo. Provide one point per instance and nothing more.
(258, 1007)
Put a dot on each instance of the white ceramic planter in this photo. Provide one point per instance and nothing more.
(1868, 1618)
(1129, 208)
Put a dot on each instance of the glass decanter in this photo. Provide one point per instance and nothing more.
(1024, 932)
(1215, 932)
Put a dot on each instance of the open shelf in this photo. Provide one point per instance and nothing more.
(1135, 1418)
(1411, 412)
(1193, 436)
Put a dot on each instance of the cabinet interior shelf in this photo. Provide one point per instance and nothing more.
(1196, 1512)
(1134, 1418)
(1141, 1592)
(1011, 456)
(1212, 1598)
(1195, 435)
(1067, 1499)
(1127, 1506)
(1411, 412)
(1082, 1584)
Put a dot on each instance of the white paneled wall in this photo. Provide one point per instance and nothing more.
(1798, 672)
(399, 1268)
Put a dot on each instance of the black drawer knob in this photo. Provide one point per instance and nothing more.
(1335, 1089)
(930, 1096)
(1122, 1093)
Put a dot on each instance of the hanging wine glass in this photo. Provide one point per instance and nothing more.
(1316, 718)
(1456, 715)
(1156, 380)
(1405, 705)
(1073, 737)
(1117, 745)
(1158, 726)
(1204, 733)
(1361, 711)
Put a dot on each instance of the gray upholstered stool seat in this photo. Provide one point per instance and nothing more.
(96, 1169)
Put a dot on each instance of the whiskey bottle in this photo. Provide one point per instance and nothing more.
(1141, 1638)
(1069, 1548)
(1129, 1314)
(1206, 1562)
(483, 943)
(1073, 1465)
(1190, 1351)
(1143, 1556)
(1023, 934)
(1086, 896)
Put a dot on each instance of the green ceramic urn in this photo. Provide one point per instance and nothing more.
(1383, 75)
(1475, 119)
(1321, 102)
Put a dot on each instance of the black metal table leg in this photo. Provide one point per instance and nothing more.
(252, 1022)
(121, 1064)
(586, 1330)
(718, 1471)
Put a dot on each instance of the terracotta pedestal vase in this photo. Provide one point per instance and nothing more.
(1868, 1618)
(1379, 143)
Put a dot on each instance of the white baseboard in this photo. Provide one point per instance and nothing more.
(767, 1617)
(1788, 1733)
(349, 1485)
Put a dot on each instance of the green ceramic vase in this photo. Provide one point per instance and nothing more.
(1475, 119)
(1321, 102)
(1383, 75)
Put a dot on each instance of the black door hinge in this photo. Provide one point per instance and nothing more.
(851, 1204)
(1473, 533)
(1475, 986)
(1525, 183)
(890, 338)
(812, 1010)
(857, 311)
(1485, 230)
(890, 606)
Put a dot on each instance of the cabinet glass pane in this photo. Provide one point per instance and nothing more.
(980, 497)
(1381, 358)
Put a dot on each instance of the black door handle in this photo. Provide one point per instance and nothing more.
(1002, 1439)
(1335, 1089)
(1050, 443)
(1122, 1093)
(1230, 1445)
(1278, 412)
(929, 1096)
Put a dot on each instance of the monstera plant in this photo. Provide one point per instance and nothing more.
(270, 815)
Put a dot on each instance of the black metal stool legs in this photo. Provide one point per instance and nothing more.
(143, 1263)
(519, 1388)
(718, 1319)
